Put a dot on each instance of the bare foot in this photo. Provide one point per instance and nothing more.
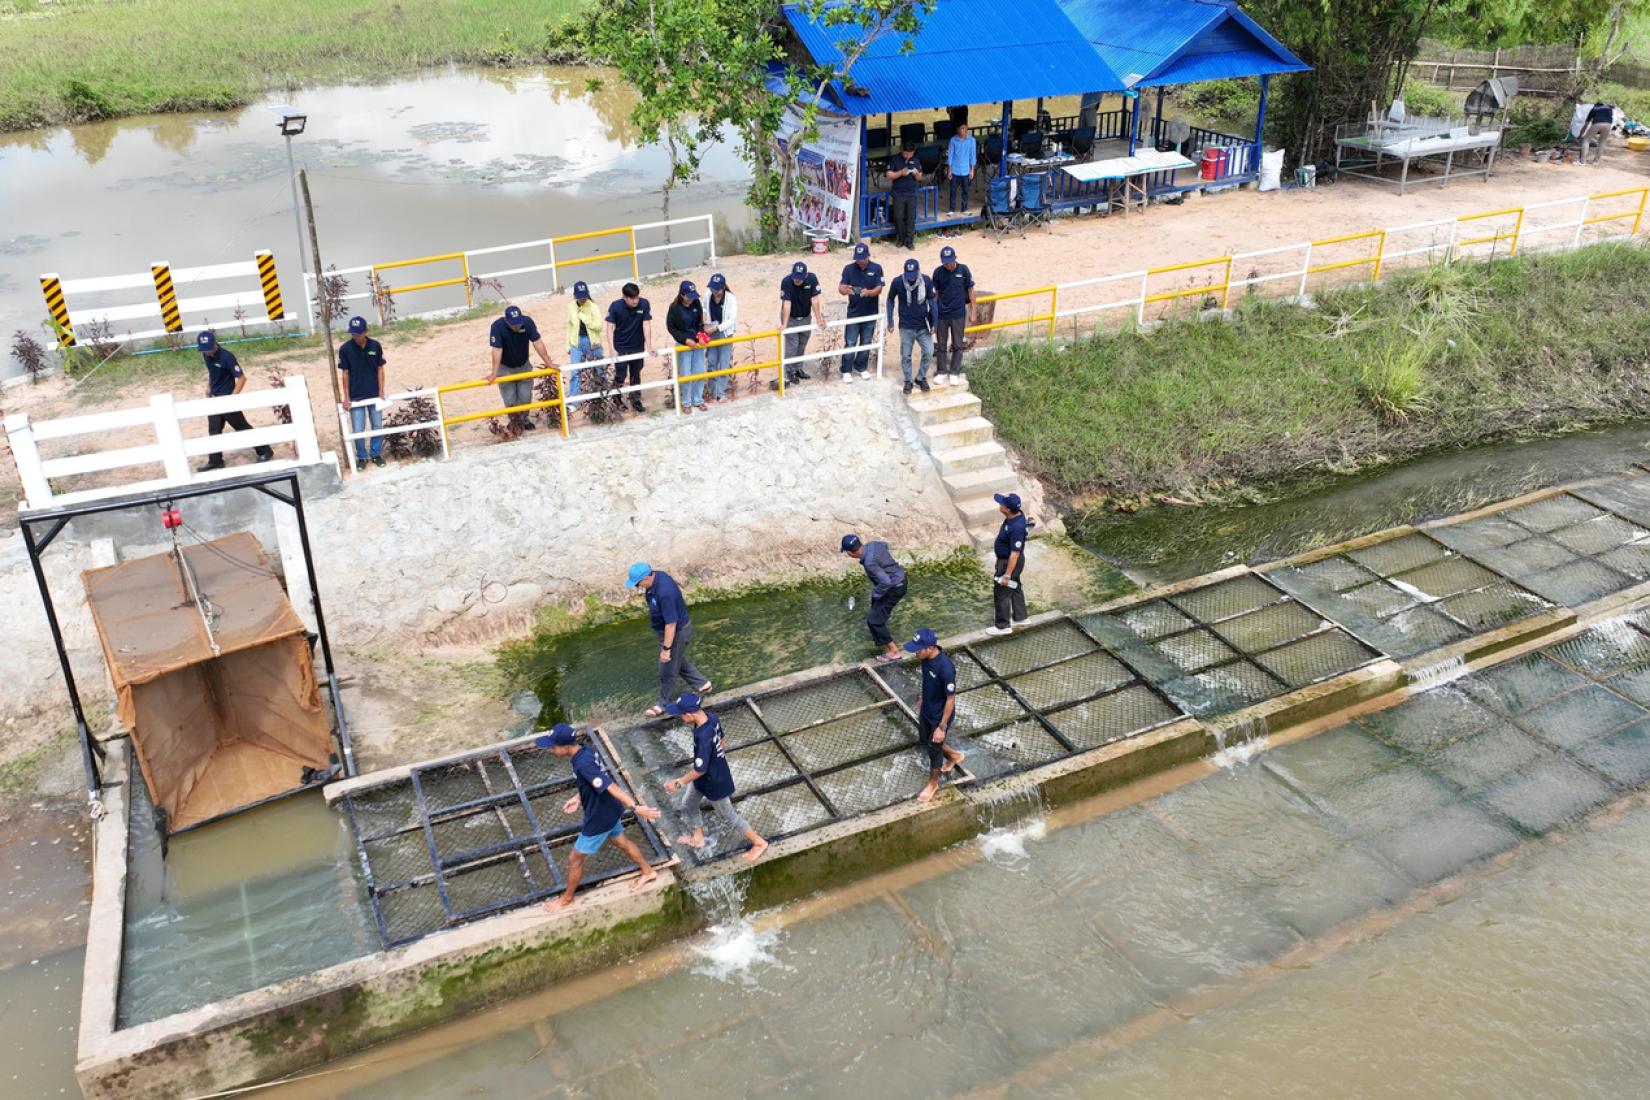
(690, 842)
(950, 765)
(556, 905)
(648, 875)
(927, 793)
(756, 852)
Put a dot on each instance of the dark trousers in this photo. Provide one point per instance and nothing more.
(216, 422)
(956, 194)
(632, 365)
(881, 607)
(902, 212)
(678, 668)
(949, 337)
(1009, 601)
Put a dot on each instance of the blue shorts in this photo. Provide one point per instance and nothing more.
(589, 845)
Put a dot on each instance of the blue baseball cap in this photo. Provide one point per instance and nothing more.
(206, 340)
(357, 325)
(798, 269)
(688, 290)
(717, 282)
(947, 254)
(862, 252)
(560, 736)
(513, 316)
(912, 267)
(685, 703)
(922, 641)
(850, 542)
(1010, 501)
(581, 291)
(637, 572)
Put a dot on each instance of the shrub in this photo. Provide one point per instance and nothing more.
(423, 443)
(29, 353)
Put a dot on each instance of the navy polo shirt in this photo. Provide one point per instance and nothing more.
(801, 297)
(951, 288)
(627, 323)
(361, 364)
(1011, 536)
(868, 279)
(716, 780)
(601, 810)
(515, 344)
(665, 603)
(939, 683)
(905, 185)
(222, 368)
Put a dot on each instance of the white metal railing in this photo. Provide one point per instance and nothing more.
(169, 301)
(346, 426)
(169, 449)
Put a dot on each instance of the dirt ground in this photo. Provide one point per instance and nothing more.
(1071, 248)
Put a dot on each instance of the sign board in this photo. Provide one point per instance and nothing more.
(825, 176)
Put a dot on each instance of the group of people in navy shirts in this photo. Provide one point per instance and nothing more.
(709, 779)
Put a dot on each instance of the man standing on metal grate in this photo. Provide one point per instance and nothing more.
(604, 803)
(887, 590)
(938, 708)
(710, 779)
(668, 614)
(1008, 593)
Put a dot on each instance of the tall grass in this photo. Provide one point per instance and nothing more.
(1439, 358)
(69, 60)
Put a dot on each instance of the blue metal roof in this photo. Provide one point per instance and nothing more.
(1152, 43)
(968, 51)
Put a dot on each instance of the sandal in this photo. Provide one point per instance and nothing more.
(887, 658)
(653, 712)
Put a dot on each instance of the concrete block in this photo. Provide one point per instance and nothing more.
(1000, 479)
(959, 433)
(941, 406)
(978, 456)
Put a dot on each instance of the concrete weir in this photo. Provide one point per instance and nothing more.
(1073, 705)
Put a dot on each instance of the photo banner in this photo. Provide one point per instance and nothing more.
(825, 178)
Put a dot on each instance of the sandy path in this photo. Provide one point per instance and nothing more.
(1072, 248)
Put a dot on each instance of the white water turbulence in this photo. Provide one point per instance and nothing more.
(1441, 673)
(1006, 845)
(1240, 753)
(733, 949)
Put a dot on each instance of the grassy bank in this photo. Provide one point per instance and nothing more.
(1448, 357)
(72, 60)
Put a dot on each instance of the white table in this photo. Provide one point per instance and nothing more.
(1128, 171)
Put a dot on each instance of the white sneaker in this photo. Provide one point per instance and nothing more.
(999, 631)
(848, 376)
(950, 380)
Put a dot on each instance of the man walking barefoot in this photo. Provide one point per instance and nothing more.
(887, 590)
(710, 779)
(603, 803)
(939, 706)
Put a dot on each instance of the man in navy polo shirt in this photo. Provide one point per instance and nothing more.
(711, 779)
(603, 803)
(937, 709)
(630, 335)
(510, 337)
(912, 297)
(904, 176)
(224, 377)
(798, 305)
(861, 284)
(667, 613)
(361, 358)
(954, 295)
(1008, 594)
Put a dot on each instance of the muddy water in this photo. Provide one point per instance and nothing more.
(443, 162)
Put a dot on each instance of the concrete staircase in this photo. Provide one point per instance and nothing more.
(973, 465)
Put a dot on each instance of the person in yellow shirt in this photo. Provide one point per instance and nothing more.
(584, 334)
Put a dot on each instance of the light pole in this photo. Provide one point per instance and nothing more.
(292, 124)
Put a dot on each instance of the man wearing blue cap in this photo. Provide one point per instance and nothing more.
(887, 590)
(603, 803)
(954, 293)
(904, 176)
(722, 322)
(224, 377)
(584, 334)
(667, 613)
(510, 337)
(912, 296)
(685, 321)
(862, 284)
(1008, 594)
(630, 335)
(938, 707)
(798, 306)
(711, 779)
(361, 358)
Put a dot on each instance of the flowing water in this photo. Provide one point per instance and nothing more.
(447, 161)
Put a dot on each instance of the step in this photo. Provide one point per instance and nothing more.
(980, 511)
(937, 390)
(983, 538)
(940, 407)
(976, 456)
(958, 433)
(997, 479)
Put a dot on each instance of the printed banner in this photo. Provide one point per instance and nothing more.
(826, 176)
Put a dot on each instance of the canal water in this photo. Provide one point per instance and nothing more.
(447, 161)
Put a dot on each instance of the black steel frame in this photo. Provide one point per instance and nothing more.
(54, 520)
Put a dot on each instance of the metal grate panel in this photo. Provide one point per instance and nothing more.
(1398, 555)
(1562, 510)
(1226, 598)
(1036, 648)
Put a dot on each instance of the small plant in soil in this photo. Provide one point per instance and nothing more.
(422, 443)
(29, 353)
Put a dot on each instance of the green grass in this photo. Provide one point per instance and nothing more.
(1442, 358)
(71, 60)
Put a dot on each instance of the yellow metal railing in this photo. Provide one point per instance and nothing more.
(1225, 285)
(1053, 293)
(1514, 212)
(381, 291)
(1373, 262)
(1637, 213)
(557, 264)
(559, 402)
(776, 335)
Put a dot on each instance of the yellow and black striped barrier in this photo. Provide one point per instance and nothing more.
(271, 285)
(52, 287)
(167, 296)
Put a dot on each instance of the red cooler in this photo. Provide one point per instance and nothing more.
(1212, 158)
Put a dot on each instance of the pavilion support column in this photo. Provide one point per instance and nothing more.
(1260, 120)
(1008, 119)
(1134, 125)
(1157, 126)
(857, 229)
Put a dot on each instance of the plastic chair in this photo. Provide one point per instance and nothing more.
(1000, 213)
(1034, 208)
(929, 157)
(876, 141)
(913, 133)
(1082, 142)
(944, 131)
(1020, 127)
(991, 151)
(1031, 145)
